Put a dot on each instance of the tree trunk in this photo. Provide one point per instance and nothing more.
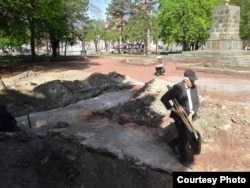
(184, 46)
(65, 47)
(55, 46)
(32, 41)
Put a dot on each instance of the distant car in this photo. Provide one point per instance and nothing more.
(6, 52)
(113, 51)
(27, 52)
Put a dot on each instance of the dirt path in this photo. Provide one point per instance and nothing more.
(230, 87)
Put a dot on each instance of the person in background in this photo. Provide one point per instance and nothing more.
(186, 94)
(159, 66)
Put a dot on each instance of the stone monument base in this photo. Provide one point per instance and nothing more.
(232, 57)
(224, 44)
(214, 61)
(225, 33)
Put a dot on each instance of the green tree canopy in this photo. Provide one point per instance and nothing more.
(244, 19)
(35, 20)
(184, 21)
(118, 12)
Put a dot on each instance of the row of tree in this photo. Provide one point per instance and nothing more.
(37, 22)
(49, 22)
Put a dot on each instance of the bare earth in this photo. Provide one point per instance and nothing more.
(223, 121)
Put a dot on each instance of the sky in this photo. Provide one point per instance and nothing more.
(97, 8)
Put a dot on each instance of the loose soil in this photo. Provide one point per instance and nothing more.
(57, 160)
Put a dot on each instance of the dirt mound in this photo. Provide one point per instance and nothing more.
(144, 108)
(58, 93)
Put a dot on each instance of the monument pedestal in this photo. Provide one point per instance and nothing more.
(224, 34)
(226, 57)
(224, 44)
